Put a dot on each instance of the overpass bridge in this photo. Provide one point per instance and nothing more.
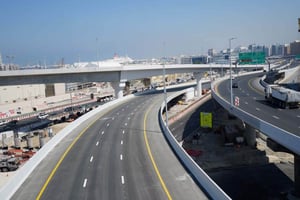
(283, 135)
(117, 75)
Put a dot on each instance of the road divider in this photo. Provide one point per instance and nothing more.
(205, 182)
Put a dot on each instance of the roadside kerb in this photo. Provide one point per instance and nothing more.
(206, 183)
(8, 190)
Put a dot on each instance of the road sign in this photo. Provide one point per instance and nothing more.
(252, 58)
(236, 101)
(206, 120)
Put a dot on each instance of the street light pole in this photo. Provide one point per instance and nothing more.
(165, 95)
(231, 95)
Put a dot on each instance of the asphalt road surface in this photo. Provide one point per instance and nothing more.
(252, 100)
(122, 155)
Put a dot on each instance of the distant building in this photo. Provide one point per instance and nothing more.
(0, 59)
(200, 59)
(287, 49)
(185, 60)
(295, 47)
(277, 50)
(211, 52)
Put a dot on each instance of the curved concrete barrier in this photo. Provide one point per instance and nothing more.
(279, 135)
(210, 187)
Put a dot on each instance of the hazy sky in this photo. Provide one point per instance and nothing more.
(48, 30)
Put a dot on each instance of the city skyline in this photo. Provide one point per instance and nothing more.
(48, 31)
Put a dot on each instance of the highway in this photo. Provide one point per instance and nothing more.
(252, 100)
(121, 155)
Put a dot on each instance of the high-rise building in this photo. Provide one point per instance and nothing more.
(211, 52)
(295, 47)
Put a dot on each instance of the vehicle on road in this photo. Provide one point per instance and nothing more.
(43, 115)
(235, 85)
(282, 97)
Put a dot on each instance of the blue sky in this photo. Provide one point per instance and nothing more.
(35, 30)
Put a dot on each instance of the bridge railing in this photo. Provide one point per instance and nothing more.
(205, 182)
(279, 135)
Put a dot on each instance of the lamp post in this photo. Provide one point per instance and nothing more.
(165, 95)
(231, 95)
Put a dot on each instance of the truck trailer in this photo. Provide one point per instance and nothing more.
(282, 97)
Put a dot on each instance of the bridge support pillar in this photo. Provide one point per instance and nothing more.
(296, 191)
(198, 76)
(118, 87)
(250, 135)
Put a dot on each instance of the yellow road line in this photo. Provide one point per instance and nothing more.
(153, 161)
(252, 87)
(61, 159)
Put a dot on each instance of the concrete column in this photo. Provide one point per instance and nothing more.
(250, 135)
(17, 139)
(118, 87)
(198, 76)
(296, 191)
(4, 141)
(42, 139)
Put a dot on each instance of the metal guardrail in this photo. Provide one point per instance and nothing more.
(210, 187)
(279, 135)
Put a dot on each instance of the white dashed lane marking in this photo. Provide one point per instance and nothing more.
(275, 117)
(91, 159)
(84, 183)
(97, 143)
(121, 157)
(122, 180)
(121, 142)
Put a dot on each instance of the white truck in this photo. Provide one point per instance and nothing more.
(281, 96)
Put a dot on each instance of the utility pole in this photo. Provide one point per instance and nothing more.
(231, 95)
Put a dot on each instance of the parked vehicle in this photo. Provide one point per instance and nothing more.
(9, 164)
(281, 96)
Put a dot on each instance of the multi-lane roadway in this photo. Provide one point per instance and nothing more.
(252, 100)
(122, 154)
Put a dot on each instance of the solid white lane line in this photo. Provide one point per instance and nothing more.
(97, 143)
(91, 159)
(121, 157)
(121, 142)
(122, 179)
(275, 117)
(84, 183)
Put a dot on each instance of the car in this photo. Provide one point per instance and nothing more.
(43, 115)
(235, 85)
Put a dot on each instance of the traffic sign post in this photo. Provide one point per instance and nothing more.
(236, 101)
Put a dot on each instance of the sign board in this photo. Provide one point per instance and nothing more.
(236, 101)
(298, 24)
(252, 58)
(206, 120)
